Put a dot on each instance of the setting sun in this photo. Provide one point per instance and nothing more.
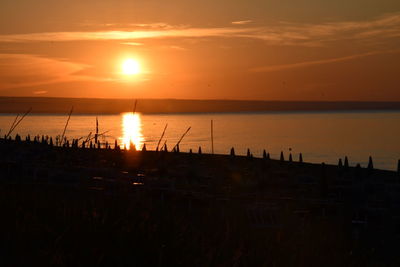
(130, 67)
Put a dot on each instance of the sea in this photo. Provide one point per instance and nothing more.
(319, 136)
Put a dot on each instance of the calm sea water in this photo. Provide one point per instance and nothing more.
(321, 137)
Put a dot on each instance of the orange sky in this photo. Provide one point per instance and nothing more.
(237, 49)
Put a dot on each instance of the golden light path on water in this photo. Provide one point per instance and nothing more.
(132, 130)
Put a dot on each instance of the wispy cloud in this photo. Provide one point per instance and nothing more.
(21, 70)
(319, 62)
(241, 22)
(120, 35)
(156, 25)
(283, 33)
(176, 47)
(132, 43)
(41, 92)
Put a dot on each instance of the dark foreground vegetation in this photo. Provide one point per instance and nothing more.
(98, 207)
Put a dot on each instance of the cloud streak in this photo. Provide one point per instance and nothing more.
(283, 33)
(241, 22)
(121, 35)
(319, 62)
(22, 70)
(132, 44)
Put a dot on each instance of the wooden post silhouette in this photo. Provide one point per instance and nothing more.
(212, 137)
(199, 150)
(248, 153)
(16, 122)
(144, 148)
(116, 144)
(132, 146)
(340, 164)
(190, 151)
(290, 157)
(264, 154)
(180, 140)
(12, 126)
(346, 162)
(96, 135)
(66, 124)
(268, 156)
(282, 158)
(232, 152)
(370, 164)
(301, 158)
(134, 107)
(162, 135)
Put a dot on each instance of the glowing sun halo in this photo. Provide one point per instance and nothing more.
(130, 67)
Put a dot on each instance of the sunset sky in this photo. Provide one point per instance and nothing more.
(236, 49)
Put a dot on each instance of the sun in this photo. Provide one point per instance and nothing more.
(130, 67)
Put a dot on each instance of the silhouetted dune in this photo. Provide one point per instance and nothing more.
(114, 106)
(100, 206)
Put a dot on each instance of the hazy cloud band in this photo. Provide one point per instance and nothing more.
(387, 26)
(320, 62)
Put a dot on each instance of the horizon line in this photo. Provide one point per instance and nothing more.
(204, 99)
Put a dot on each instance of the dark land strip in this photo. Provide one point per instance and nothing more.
(148, 106)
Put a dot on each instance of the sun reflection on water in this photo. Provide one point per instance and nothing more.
(132, 130)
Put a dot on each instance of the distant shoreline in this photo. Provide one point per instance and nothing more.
(43, 105)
